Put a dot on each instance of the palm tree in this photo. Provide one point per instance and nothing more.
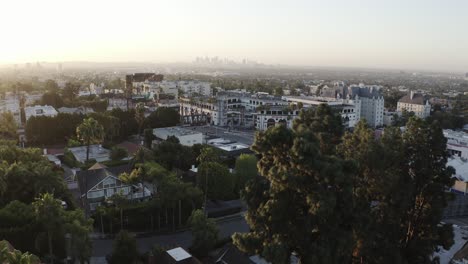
(140, 116)
(90, 131)
(48, 211)
(119, 201)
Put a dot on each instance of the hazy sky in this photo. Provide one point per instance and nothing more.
(424, 34)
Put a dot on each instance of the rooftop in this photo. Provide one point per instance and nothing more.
(178, 254)
(174, 131)
(461, 168)
(96, 152)
(226, 144)
(412, 98)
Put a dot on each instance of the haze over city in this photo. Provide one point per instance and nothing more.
(426, 35)
(234, 132)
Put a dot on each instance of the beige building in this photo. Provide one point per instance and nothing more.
(414, 102)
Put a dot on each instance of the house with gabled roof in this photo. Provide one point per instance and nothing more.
(100, 182)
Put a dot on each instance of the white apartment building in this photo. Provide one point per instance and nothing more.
(226, 109)
(368, 97)
(187, 137)
(190, 88)
(350, 110)
(457, 143)
(39, 110)
(276, 115)
(414, 102)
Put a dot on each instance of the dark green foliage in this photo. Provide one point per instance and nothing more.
(118, 153)
(209, 154)
(325, 124)
(124, 249)
(110, 125)
(148, 137)
(8, 126)
(27, 174)
(245, 170)
(44, 130)
(96, 104)
(162, 117)
(447, 120)
(172, 154)
(303, 201)
(51, 86)
(70, 91)
(399, 192)
(53, 99)
(401, 120)
(221, 182)
(127, 123)
(204, 232)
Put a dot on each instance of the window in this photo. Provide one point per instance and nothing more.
(109, 182)
(110, 192)
(95, 194)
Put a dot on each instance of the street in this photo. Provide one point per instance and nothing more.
(227, 227)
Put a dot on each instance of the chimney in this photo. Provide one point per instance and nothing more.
(411, 95)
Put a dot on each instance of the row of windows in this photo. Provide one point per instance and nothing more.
(108, 192)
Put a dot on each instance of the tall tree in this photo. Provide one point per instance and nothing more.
(215, 180)
(325, 124)
(303, 201)
(162, 117)
(140, 116)
(53, 99)
(51, 86)
(399, 192)
(245, 170)
(204, 233)
(79, 228)
(48, 210)
(90, 131)
(124, 249)
(8, 126)
(70, 91)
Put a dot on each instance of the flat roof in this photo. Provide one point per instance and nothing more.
(178, 254)
(226, 144)
(96, 152)
(174, 131)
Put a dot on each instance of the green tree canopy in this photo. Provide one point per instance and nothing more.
(8, 126)
(124, 249)
(302, 203)
(118, 153)
(216, 180)
(399, 192)
(162, 117)
(204, 233)
(245, 170)
(90, 131)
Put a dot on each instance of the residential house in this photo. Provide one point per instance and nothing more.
(99, 183)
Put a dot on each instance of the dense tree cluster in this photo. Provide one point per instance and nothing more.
(32, 216)
(117, 124)
(372, 201)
